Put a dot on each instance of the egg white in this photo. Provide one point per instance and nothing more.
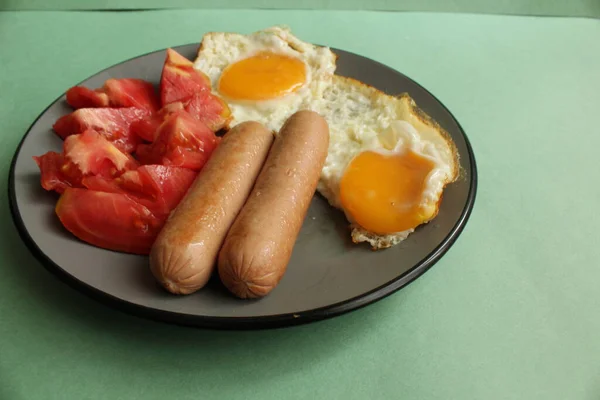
(362, 118)
(219, 50)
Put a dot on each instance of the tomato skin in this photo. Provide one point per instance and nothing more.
(157, 187)
(112, 123)
(180, 80)
(82, 97)
(108, 220)
(147, 128)
(91, 154)
(129, 92)
(52, 177)
(209, 109)
(181, 141)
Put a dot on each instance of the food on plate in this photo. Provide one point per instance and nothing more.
(387, 164)
(109, 220)
(126, 92)
(82, 97)
(184, 254)
(181, 141)
(179, 80)
(209, 109)
(53, 178)
(112, 123)
(181, 83)
(85, 154)
(146, 171)
(130, 159)
(157, 187)
(265, 76)
(259, 244)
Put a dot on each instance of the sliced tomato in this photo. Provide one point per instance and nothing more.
(131, 92)
(157, 187)
(167, 184)
(82, 97)
(89, 153)
(112, 123)
(179, 79)
(126, 92)
(181, 141)
(210, 109)
(52, 175)
(109, 220)
(146, 128)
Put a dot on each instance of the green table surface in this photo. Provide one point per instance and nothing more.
(510, 312)
(571, 8)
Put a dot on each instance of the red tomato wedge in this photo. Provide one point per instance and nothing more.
(131, 93)
(181, 141)
(147, 128)
(91, 154)
(52, 176)
(157, 187)
(210, 109)
(112, 123)
(126, 92)
(109, 220)
(82, 97)
(179, 80)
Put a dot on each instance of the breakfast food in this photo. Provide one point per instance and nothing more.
(387, 163)
(148, 171)
(125, 92)
(112, 123)
(128, 158)
(259, 244)
(265, 76)
(184, 254)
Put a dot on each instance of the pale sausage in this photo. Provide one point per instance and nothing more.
(185, 251)
(258, 247)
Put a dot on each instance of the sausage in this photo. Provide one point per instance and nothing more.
(259, 244)
(184, 254)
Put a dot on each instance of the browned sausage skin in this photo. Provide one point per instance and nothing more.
(259, 244)
(184, 253)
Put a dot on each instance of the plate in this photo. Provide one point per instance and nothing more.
(327, 274)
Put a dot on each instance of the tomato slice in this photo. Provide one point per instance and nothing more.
(82, 97)
(112, 123)
(109, 220)
(127, 92)
(179, 79)
(181, 141)
(89, 153)
(52, 175)
(167, 185)
(209, 109)
(159, 188)
(147, 128)
(131, 92)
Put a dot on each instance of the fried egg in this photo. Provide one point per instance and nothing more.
(265, 76)
(387, 163)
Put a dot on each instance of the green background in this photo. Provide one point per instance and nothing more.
(510, 312)
(579, 8)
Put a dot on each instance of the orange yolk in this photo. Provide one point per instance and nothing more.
(382, 193)
(262, 77)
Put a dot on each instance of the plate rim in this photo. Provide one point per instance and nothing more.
(254, 322)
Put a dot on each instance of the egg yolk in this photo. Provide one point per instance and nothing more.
(263, 76)
(383, 193)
